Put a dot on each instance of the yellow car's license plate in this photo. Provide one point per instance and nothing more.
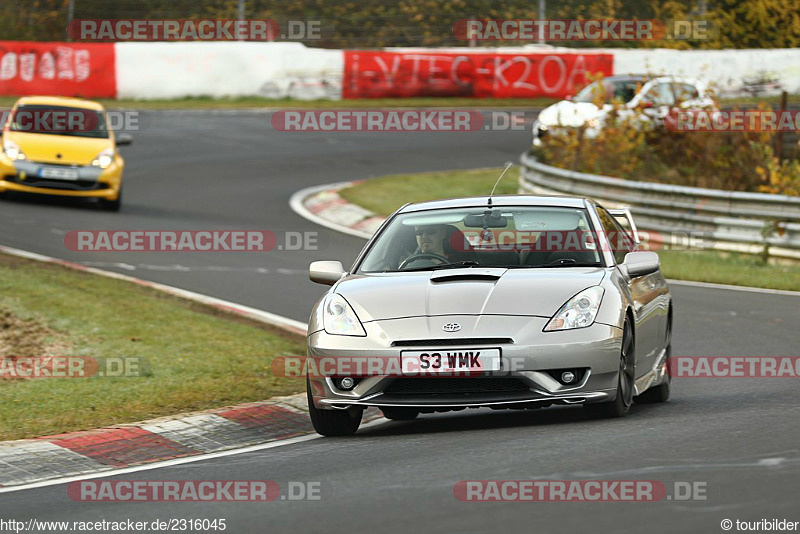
(59, 174)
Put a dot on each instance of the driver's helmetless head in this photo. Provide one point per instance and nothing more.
(430, 239)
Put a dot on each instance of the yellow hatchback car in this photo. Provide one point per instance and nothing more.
(62, 146)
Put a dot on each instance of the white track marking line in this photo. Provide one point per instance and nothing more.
(710, 285)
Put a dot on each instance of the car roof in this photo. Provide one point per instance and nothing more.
(498, 201)
(650, 78)
(630, 77)
(59, 101)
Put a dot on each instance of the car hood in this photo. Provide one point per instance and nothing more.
(44, 148)
(471, 291)
(568, 113)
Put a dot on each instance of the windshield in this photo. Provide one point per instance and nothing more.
(59, 120)
(510, 237)
(606, 91)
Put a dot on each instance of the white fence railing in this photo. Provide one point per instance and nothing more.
(729, 220)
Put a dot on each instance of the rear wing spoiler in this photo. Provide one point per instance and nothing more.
(625, 213)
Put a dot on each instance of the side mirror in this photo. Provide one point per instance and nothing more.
(640, 263)
(325, 272)
(124, 139)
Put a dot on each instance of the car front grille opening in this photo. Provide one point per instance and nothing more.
(72, 185)
(433, 385)
(453, 342)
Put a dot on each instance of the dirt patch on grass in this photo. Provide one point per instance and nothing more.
(25, 338)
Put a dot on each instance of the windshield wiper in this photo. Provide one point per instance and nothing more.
(468, 263)
(442, 266)
(568, 262)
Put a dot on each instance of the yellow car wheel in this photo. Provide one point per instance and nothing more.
(112, 205)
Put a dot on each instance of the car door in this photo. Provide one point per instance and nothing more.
(686, 95)
(657, 102)
(644, 290)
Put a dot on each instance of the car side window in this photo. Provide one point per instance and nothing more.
(684, 92)
(621, 241)
(660, 95)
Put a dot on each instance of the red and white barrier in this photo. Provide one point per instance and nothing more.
(75, 69)
(164, 70)
(386, 74)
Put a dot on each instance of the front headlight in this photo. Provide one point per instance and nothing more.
(593, 123)
(104, 158)
(12, 150)
(578, 312)
(339, 319)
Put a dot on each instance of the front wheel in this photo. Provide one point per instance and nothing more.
(333, 422)
(621, 405)
(112, 205)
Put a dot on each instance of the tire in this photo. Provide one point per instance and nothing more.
(656, 394)
(333, 422)
(112, 205)
(621, 405)
(400, 414)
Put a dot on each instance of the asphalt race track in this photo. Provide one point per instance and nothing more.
(739, 438)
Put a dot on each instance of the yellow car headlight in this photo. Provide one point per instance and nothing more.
(104, 159)
(12, 150)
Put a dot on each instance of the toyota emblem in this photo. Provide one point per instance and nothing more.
(451, 327)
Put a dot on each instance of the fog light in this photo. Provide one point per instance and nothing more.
(567, 377)
(347, 383)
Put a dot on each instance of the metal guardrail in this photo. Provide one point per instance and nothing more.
(733, 220)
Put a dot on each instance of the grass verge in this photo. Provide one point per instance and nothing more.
(386, 194)
(261, 102)
(190, 356)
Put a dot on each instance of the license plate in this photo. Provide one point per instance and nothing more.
(60, 174)
(449, 361)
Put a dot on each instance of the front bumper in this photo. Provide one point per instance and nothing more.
(526, 362)
(84, 181)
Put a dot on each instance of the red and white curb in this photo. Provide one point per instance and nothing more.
(113, 450)
(92, 451)
(323, 205)
(109, 450)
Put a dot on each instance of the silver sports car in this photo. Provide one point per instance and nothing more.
(505, 302)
